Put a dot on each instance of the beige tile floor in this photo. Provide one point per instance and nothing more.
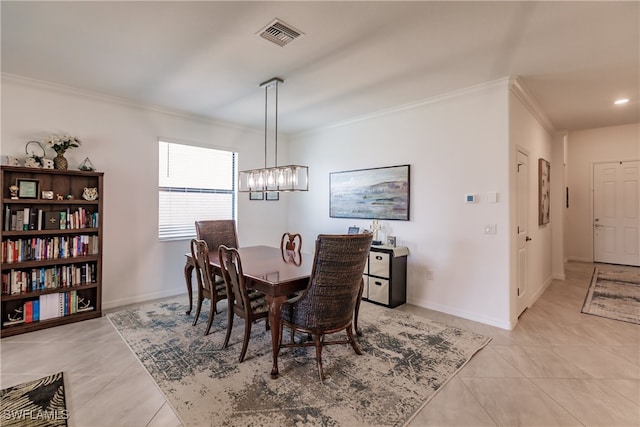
(556, 368)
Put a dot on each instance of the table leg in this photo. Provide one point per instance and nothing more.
(357, 310)
(274, 320)
(188, 270)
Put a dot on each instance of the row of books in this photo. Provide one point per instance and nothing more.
(37, 279)
(47, 248)
(48, 306)
(30, 218)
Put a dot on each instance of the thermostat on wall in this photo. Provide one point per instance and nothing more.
(470, 198)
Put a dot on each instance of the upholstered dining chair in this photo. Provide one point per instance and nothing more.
(327, 305)
(246, 304)
(207, 286)
(291, 245)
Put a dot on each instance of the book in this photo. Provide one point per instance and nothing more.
(49, 306)
(52, 220)
(20, 220)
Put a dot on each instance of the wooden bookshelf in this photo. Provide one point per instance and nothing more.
(39, 264)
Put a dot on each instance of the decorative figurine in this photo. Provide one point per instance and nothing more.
(375, 227)
(59, 196)
(47, 194)
(13, 190)
(90, 193)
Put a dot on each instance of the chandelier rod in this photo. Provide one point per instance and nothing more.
(265, 125)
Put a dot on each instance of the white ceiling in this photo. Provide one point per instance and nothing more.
(355, 58)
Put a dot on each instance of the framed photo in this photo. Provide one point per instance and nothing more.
(378, 193)
(353, 230)
(28, 188)
(256, 195)
(272, 195)
(544, 187)
(391, 241)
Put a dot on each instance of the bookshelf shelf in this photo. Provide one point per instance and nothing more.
(51, 262)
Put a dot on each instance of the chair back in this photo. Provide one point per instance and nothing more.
(291, 242)
(217, 232)
(200, 255)
(336, 276)
(231, 267)
(290, 246)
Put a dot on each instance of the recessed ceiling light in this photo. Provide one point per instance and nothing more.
(621, 101)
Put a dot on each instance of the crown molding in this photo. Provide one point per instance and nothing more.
(517, 87)
(504, 82)
(101, 97)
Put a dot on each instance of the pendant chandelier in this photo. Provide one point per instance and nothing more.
(276, 178)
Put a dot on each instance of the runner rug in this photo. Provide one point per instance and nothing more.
(36, 403)
(406, 360)
(614, 293)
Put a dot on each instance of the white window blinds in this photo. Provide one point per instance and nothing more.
(194, 183)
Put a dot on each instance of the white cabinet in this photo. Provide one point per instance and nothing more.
(385, 276)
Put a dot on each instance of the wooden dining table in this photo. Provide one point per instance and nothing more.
(275, 273)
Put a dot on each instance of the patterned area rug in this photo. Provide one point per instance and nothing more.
(36, 403)
(406, 360)
(614, 293)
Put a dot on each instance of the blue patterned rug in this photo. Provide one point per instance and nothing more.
(614, 293)
(406, 360)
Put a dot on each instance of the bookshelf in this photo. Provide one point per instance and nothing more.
(51, 257)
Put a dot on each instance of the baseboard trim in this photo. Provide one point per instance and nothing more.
(107, 305)
(508, 325)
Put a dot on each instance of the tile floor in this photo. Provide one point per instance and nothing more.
(558, 367)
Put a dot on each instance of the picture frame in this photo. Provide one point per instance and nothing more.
(377, 193)
(256, 195)
(28, 188)
(272, 195)
(544, 190)
(353, 230)
(391, 241)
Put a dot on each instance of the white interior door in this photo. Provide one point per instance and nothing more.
(522, 213)
(616, 212)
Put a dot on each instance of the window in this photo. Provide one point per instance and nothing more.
(194, 183)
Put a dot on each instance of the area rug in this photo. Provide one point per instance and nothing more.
(406, 360)
(614, 293)
(36, 403)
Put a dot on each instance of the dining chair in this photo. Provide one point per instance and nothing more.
(246, 304)
(327, 305)
(208, 287)
(215, 233)
(291, 245)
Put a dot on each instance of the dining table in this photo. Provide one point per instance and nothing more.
(277, 274)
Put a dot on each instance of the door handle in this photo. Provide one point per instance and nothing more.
(597, 225)
(527, 239)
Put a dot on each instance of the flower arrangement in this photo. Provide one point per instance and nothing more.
(60, 144)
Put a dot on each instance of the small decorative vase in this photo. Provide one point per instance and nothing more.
(60, 162)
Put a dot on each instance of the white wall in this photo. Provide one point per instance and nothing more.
(584, 149)
(528, 134)
(121, 141)
(455, 145)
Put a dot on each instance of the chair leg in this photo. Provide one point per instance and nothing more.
(229, 326)
(245, 342)
(195, 320)
(318, 344)
(212, 310)
(352, 341)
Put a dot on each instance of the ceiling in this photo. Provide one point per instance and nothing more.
(354, 59)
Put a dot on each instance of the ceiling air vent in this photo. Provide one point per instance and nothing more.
(279, 33)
